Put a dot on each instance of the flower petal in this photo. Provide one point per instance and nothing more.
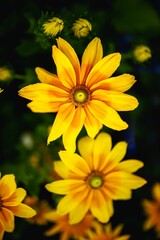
(16, 198)
(156, 191)
(85, 147)
(70, 135)
(7, 219)
(23, 211)
(44, 107)
(102, 147)
(92, 54)
(7, 186)
(106, 115)
(43, 92)
(131, 165)
(116, 100)
(119, 83)
(118, 152)
(91, 124)
(103, 69)
(75, 163)
(62, 121)
(61, 169)
(46, 77)
(66, 48)
(65, 70)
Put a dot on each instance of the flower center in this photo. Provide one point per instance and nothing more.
(95, 180)
(80, 95)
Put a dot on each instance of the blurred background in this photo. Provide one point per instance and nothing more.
(122, 26)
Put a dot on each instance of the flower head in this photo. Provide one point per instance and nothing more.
(152, 210)
(81, 27)
(91, 181)
(142, 53)
(67, 230)
(53, 26)
(5, 73)
(82, 95)
(105, 232)
(11, 204)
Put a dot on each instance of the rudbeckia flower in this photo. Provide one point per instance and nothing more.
(82, 95)
(10, 204)
(93, 180)
(81, 27)
(53, 26)
(152, 210)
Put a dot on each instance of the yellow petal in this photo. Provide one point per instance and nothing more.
(92, 54)
(75, 163)
(44, 107)
(23, 211)
(131, 165)
(117, 100)
(65, 70)
(119, 83)
(102, 147)
(62, 121)
(7, 219)
(61, 169)
(70, 135)
(91, 124)
(103, 69)
(46, 77)
(7, 186)
(43, 92)
(66, 48)
(85, 147)
(16, 198)
(156, 191)
(118, 152)
(106, 115)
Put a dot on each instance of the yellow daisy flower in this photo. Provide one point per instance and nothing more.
(53, 26)
(81, 27)
(105, 232)
(67, 230)
(91, 181)
(152, 210)
(81, 95)
(10, 204)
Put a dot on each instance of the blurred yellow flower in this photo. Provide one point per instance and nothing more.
(105, 232)
(1, 90)
(10, 204)
(142, 53)
(92, 181)
(53, 26)
(5, 74)
(82, 95)
(152, 210)
(81, 27)
(65, 229)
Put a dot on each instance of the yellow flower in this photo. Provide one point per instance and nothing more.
(81, 95)
(1, 90)
(105, 232)
(5, 74)
(66, 230)
(10, 204)
(81, 27)
(53, 26)
(152, 210)
(142, 53)
(92, 181)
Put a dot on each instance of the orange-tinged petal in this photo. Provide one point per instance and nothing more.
(7, 186)
(75, 163)
(91, 124)
(131, 165)
(117, 100)
(156, 191)
(67, 49)
(43, 92)
(44, 107)
(65, 70)
(103, 69)
(85, 147)
(119, 83)
(102, 147)
(46, 77)
(92, 54)
(7, 219)
(106, 115)
(70, 135)
(16, 198)
(62, 121)
(23, 211)
(1, 232)
(61, 169)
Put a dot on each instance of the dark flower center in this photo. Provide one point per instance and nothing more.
(80, 95)
(95, 180)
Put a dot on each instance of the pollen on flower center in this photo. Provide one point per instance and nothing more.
(95, 180)
(80, 95)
